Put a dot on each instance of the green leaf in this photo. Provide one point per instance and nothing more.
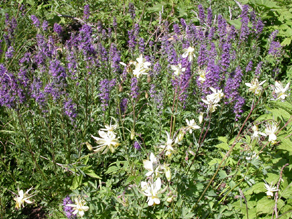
(77, 181)
(214, 161)
(223, 146)
(91, 173)
(285, 144)
(286, 41)
(112, 169)
(265, 205)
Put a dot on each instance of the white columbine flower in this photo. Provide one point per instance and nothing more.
(255, 86)
(270, 189)
(211, 106)
(151, 190)
(201, 117)
(271, 129)
(22, 197)
(280, 90)
(202, 75)
(110, 128)
(141, 67)
(108, 141)
(256, 133)
(191, 125)
(79, 207)
(151, 165)
(189, 52)
(177, 69)
(216, 96)
(168, 146)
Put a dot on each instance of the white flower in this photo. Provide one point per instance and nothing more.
(211, 106)
(191, 125)
(107, 141)
(110, 128)
(141, 67)
(167, 171)
(189, 52)
(177, 69)
(256, 133)
(202, 75)
(252, 156)
(79, 207)
(151, 190)
(271, 129)
(280, 90)
(270, 189)
(179, 137)
(21, 198)
(142, 61)
(255, 86)
(201, 117)
(151, 165)
(168, 146)
(216, 96)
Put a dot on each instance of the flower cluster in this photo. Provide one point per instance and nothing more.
(213, 99)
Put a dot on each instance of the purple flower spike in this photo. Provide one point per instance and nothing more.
(201, 14)
(35, 20)
(9, 53)
(86, 12)
(132, 10)
(137, 146)
(67, 209)
(45, 25)
(57, 28)
(70, 109)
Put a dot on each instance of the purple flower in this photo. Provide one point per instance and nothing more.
(132, 40)
(72, 64)
(225, 58)
(67, 209)
(57, 28)
(233, 84)
(275, 49)
(258, 68)
(141, 45)
(221, 27)
(237, 109)
(9, 53)
(244, 30)
(137, 146)
(259, 27)
(176, 29)
(45, 25)
(156, 69)
(183, 23)
(172, 57)
(132, 10)
(211, 33)
(123, 105)
(105, 88)
(249, 67)
(209, 17)
(202, 58)
(35, 20)
(201, 14)
(134, 88)
(152, 90)
(244, 12)
(273, 35)
(86, 12)
(36, 93)
(70, 109)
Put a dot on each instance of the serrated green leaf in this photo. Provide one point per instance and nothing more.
(112, 169)
(285, 144)
(77, 181)
(265, 205)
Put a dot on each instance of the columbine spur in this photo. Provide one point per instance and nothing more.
(151, 165)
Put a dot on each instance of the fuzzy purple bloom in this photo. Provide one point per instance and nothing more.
(244, 30)
(209, 17)
(249, 67)
(202, 58)
(141, 45)
(57, 28)
(70, 109)
(275, 49)
(134, 88)
(233, 84)
(172, 57)
(222, 24)
(35, 20)
(211, 33)
(183, 23)
(86, 12)
(123, 105)
(273, 35)
(201, 14)
(237, 109)
(137, 146)
(104, 87)
(259, 27)
(225, 58)
(132, 40)
(67, 209)
(176, 29)
(258, 69)
(45, 25)
(156, 69)
(132, 10)
(9, 53)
